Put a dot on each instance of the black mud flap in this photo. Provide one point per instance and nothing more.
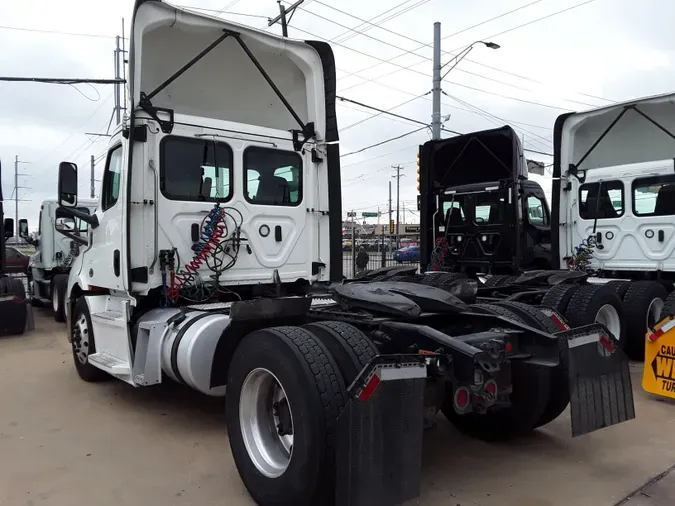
(13, 316)
(379, 441)
(601, 393)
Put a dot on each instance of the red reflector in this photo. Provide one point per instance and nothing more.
(462, 398)
(654, 336)
(370, 388)
(17, 300)
(558, 322)
(607, 344)
(508, 347)
(491, 387)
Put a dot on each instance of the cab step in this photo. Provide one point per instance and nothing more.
(112, 365)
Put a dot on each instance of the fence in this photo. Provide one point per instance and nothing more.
(381, 252)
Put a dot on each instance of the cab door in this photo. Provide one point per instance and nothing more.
(104, 263)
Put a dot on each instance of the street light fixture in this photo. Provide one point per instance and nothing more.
(466, 51)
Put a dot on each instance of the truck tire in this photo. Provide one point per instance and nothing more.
(495, 281)
(16, 288)
(15, 325)
(83, 345)
(669, 306)
(442, 279)
(558, 297)
(285, 377)
(530, 397)
(351, 348)
(560, 391)
(620, 287)
(642, 306)
(58, 293)
(598, 303)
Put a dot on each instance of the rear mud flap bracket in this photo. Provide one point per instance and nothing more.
(601, 393)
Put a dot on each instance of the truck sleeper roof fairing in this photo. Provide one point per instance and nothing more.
(184, 66)
(225, 83)
(476, 157)
(635, 131)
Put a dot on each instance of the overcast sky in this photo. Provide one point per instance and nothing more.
(600, 51)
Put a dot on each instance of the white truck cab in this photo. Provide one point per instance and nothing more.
(614, 182)
(55, 252)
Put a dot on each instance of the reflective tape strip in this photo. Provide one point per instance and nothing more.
(583, 340)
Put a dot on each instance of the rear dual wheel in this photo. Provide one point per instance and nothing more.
(286, 387)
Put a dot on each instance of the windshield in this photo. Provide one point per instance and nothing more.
(485, 208)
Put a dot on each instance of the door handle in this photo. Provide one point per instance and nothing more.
(277, 233)
(662, 236)
(598, 237)
(116, 262)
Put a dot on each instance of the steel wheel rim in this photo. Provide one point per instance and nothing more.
(609, 317)
(262, 416)
(81, 339)
(55, 299)
(654, 312)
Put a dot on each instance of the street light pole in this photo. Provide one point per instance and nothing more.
(437, 79)
(436, 89)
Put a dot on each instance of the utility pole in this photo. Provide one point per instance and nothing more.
(389, 209)
(118, 101)
(283, 12)
(91, 187)
(16, 193)
(436, 89)
(398, 177)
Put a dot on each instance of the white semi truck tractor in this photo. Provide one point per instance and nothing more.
(58, 242)
(214, 260)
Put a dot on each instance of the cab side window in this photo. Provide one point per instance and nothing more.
(536, 211)
(110, 191)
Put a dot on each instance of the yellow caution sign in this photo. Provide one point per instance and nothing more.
(658, 376)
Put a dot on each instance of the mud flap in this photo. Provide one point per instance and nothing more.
(379, 440)
(601, 392)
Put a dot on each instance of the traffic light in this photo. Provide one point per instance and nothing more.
(392, 227)
(418, 172)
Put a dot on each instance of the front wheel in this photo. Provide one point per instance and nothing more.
(284, 395)
(59, 285)
(82, 341)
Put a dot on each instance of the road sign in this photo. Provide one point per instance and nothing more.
(351, 214)
(370, 215)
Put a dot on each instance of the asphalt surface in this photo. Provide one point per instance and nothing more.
(66, 442)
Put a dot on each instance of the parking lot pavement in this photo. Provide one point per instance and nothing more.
(64, 442)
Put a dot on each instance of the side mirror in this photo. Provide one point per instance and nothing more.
(9, 228)
(23, 228)
(64, 224)
(67, 187)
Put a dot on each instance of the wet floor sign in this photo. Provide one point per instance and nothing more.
(658, 376)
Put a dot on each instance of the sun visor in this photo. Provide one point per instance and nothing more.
(225, 83)
(477, 157)
(641, 130)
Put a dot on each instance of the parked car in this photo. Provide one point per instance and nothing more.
(17, 262)
(409, 254)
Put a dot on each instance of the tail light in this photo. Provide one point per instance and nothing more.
(462, 399)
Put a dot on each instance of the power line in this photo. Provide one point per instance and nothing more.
(56, 32)
(425, 75)
(384, 141)
(381, 111)
(424, 45)
(216, 12)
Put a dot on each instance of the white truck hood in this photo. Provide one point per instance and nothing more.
(225, 84)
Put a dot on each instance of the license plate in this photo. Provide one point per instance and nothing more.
(658, 376)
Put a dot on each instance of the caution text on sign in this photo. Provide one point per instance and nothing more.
(658, 376)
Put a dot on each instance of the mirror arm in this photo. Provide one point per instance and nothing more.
(89, 219)
(76, 238)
